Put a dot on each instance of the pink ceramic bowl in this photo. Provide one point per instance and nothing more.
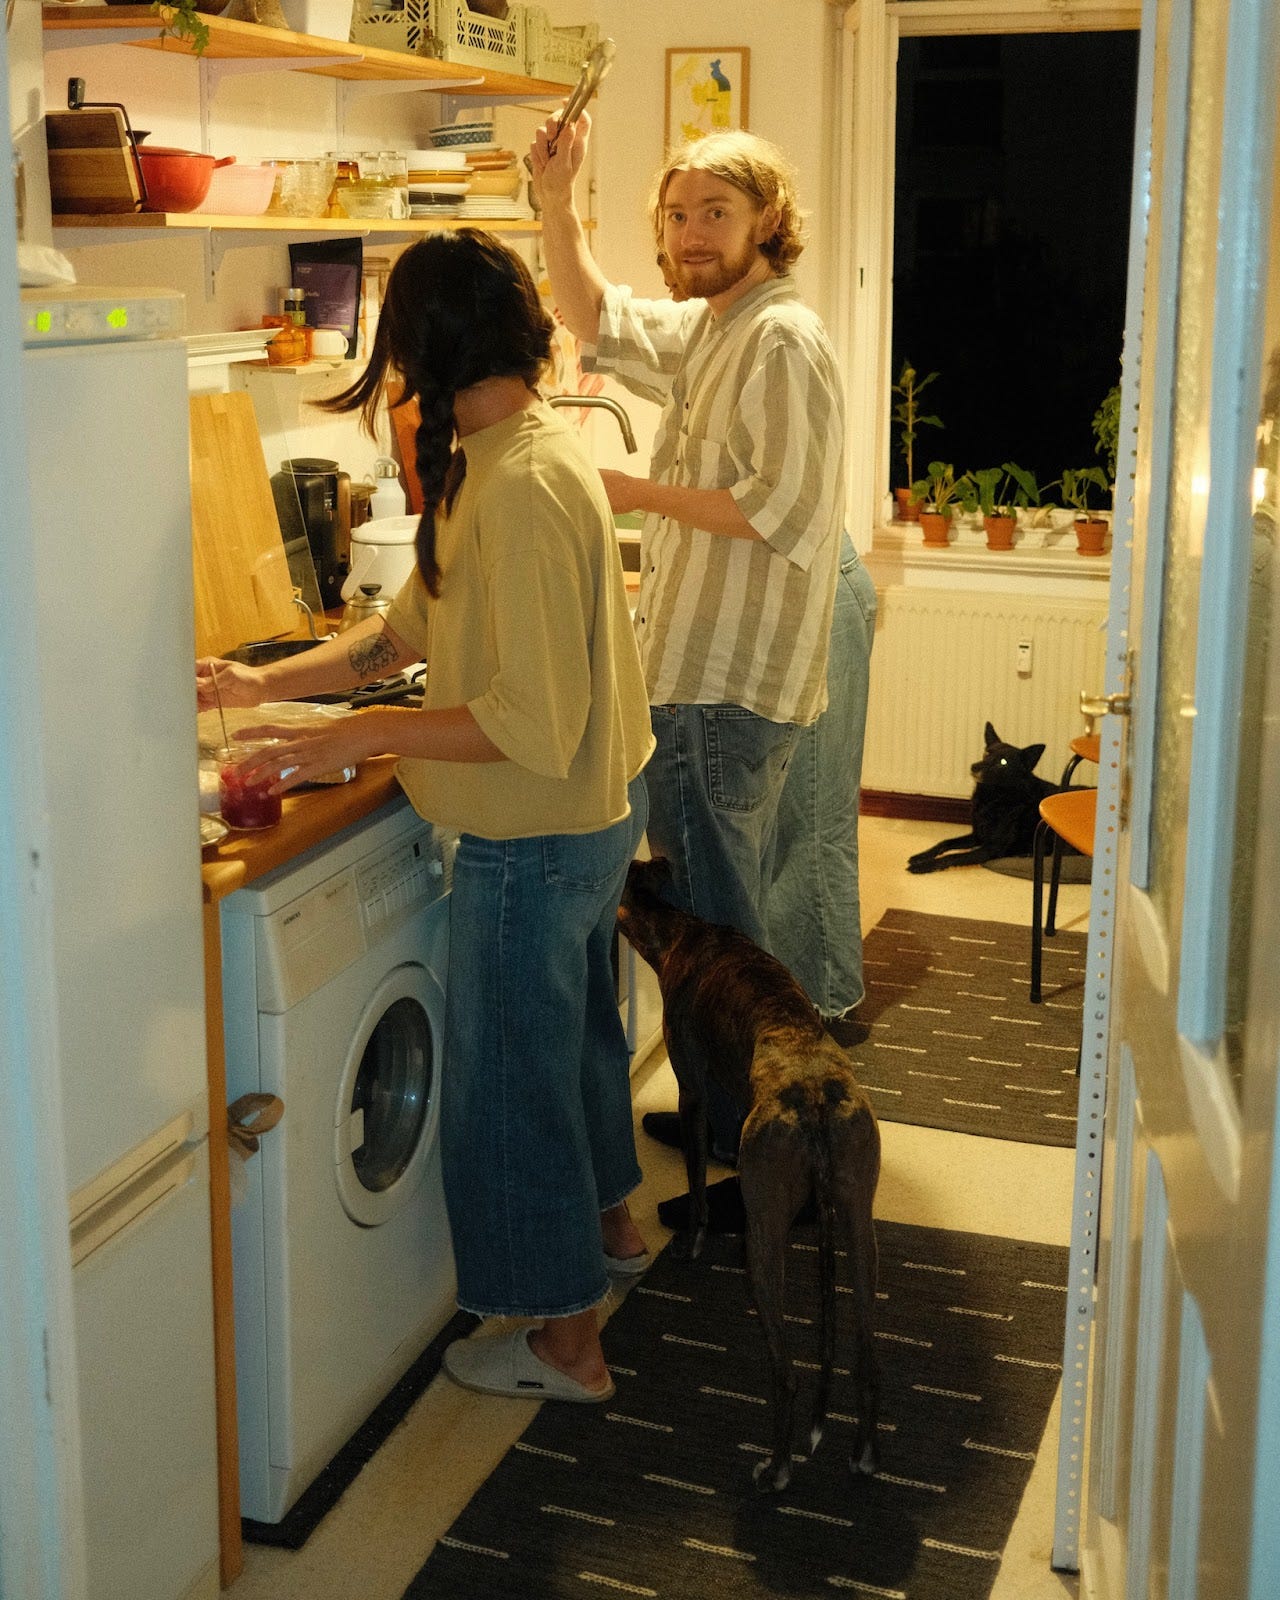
(242, 190)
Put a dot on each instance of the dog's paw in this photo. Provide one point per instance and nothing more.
(770, 1478)
(923, 864)
(868, 1462)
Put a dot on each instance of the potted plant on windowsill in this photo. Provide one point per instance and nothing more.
(998, 495)
(1032, 508)
(937, 494)
(906, 414)
(1091, 530)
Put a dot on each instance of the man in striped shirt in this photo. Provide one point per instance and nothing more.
(743, 507)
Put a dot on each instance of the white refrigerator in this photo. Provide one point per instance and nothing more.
(105, 393)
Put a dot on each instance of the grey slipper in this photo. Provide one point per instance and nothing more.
(506, 1365)
(628, 1266)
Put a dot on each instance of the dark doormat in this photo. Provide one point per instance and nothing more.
(650, 1494)
(320, 1496)
(955, 1042)
(1075, 869)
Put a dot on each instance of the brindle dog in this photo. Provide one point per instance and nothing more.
(733, 1013)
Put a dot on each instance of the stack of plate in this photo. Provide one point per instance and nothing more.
(438, 182)
(497, 184)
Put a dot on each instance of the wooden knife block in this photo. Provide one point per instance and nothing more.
(92, 166)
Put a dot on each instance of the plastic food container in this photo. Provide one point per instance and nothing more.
(242, 190)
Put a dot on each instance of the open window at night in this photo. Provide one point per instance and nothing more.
(1011, 216)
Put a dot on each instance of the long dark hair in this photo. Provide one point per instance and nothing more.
(459, 307)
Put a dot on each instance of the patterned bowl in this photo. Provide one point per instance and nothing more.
(460, 135)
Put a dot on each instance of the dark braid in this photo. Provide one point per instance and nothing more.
(459, 308)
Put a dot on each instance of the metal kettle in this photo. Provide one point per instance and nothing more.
(368, 601)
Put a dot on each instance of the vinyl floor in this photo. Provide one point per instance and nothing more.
(377, 1537)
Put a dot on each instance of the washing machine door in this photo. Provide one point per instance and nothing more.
(387, 1114)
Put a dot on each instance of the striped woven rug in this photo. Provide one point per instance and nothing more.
(650, 1494)
(955, 1042)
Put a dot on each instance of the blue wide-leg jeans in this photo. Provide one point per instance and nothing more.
(536, 1101)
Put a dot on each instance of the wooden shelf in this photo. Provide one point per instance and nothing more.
(327, 58)
(152, 222)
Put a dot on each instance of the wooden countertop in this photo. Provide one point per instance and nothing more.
(308, 819)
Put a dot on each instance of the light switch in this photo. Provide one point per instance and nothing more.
(1024, 658)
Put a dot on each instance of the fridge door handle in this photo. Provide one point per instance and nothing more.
(152, 1170)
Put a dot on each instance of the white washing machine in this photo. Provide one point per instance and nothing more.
(333, 989)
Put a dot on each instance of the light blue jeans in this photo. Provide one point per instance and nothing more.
(536, 1130)
(815, 923)
(714, 783)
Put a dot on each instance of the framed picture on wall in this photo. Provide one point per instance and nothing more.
(706, 92)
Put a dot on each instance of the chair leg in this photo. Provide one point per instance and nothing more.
(1037, 903)
(1050, 927)
(1070, 767)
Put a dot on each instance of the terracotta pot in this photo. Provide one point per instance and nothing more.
(1091, 536)
(999, 532)
(906, 508)
(937, 528)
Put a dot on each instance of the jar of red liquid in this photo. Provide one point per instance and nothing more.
(245, 801)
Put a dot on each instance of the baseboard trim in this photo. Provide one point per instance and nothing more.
(914, 807)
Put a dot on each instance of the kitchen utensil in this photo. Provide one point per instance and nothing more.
(217, 695)
(176, 180)
(77, 102)
(368, 601)
(243, 587)
(383, 551)
(593, 71)
(241, 190)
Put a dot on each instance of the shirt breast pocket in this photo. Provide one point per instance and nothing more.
(705, 463)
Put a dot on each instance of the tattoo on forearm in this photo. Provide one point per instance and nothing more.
(372, 658)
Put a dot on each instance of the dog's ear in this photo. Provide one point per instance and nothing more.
(990, 736)
(1031, 754)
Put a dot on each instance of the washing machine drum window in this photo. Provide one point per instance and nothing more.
(392, 1093)
(388, 1110)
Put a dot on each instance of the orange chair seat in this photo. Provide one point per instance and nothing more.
(1088, 747)
(1071, 815)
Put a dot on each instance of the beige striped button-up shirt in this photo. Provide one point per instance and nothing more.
(753, 404)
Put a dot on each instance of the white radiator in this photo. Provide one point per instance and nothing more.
(946, 662)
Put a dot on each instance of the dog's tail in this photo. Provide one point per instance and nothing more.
(825, 1204)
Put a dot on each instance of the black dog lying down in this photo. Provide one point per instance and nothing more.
(1005, 809)
(733, 1013)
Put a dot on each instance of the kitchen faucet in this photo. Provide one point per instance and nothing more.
(608, 404)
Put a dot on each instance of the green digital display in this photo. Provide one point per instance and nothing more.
(43, 321)
(117, 317)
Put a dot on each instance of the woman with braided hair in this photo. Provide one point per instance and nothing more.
(530, 740)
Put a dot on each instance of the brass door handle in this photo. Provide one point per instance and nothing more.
(1103, 705)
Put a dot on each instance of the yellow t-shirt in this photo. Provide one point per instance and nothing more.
(532, 632)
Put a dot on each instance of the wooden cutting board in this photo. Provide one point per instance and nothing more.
(243, 590)
(91, 162)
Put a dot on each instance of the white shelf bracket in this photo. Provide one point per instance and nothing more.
(352, 92)
(213, 72)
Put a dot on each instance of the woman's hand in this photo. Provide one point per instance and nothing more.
(303, 754)
(236, 685)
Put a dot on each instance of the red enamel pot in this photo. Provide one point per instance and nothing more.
(177, 180)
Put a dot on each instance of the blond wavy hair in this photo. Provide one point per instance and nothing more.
(755, 167)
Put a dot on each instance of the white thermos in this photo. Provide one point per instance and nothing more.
(387, 499)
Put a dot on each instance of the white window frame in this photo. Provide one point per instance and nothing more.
(861, 312)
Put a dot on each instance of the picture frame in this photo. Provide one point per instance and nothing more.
(707, 91)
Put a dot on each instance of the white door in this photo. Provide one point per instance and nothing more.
(1185, 1360)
